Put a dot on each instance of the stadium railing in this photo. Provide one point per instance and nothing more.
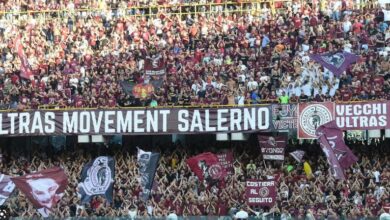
(261, 103)
(150, 10)
(249, 6)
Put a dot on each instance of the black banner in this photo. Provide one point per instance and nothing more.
(97, 178)
(147, 164)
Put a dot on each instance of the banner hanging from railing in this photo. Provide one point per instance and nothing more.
(303, 118)
(348, 116)
(137, 121)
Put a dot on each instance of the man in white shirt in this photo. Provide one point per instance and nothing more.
(252, 85)
(347, 26)
(336, 10)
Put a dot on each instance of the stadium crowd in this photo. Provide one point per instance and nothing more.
(85, 59)
(365, 192)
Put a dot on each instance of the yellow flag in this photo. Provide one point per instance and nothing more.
(307, 169)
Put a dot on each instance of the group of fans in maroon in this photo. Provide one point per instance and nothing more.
(364, 193)
(97, 58)
(86, 59)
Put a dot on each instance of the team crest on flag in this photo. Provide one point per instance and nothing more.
(337, 63)
(312, 116)
(97, 178)
(206, 166)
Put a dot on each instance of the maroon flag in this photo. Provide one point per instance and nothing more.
(25, 68)
(298, 155)
(154, 65)
(334, 166)
(337, 63)
(226, 160)
(272, 147)
(261, 192)
(334, 136)
(44, 189)
(206, 166)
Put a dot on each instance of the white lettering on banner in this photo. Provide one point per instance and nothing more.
(37, 123)
(24, 122)
(152, 121)
(50, 126)
(138, 122)
(362, 116)
(285, 124)
(253, 184)
(221, 119)
(362, 121)
(260, 184)
(263, 123)
(108, 121)
(12, 117)
(85, 118)
(135, 121)
(235, 119)
(183, 120)
(165, 114)
(124, 124)
(70, 125)
(196, 121)
(97, 123)
(361, 109)
(2, 131)
(273, 150)
(260, 200)
(207, 118)
(249, 119)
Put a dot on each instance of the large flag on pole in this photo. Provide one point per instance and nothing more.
(337, 63)
(25, 68)
(206, 166)
(6, 187)
(147, 165)
(44, 188)
(334, 166)
(334, 136)
(298, 155)
(97, 178)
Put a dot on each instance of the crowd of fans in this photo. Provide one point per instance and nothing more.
(84, 59)
(365, 192)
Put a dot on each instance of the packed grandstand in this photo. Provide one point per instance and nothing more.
(244, 109)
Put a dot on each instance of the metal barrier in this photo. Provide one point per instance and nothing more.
(152, 10)
(261, 103)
